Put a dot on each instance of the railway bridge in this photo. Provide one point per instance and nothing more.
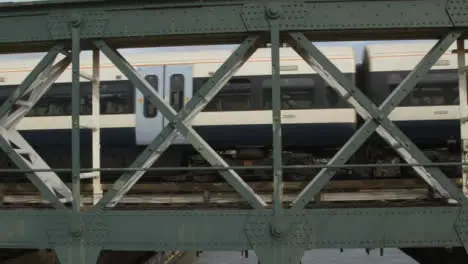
(79, 220)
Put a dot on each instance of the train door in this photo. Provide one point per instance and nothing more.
(177, 90)
(149, 120)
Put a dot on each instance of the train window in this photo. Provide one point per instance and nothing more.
(436, 88)
(435, 94)
(236, 95)
(177, 91)
(332, 97)
(432, 94)
(116, 97)
(296, 93)
(57, 102)
(59, 106)
(149, 110)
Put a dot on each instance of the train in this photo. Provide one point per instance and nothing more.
(316, 121)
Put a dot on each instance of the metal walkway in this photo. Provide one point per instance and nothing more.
(278, 232)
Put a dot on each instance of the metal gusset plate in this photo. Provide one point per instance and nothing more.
(281, 242)
(179, 121)
(18, 105)
(77, 254)
(376, 118)
(77, 238)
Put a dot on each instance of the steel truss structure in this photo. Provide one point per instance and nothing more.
(279, 234)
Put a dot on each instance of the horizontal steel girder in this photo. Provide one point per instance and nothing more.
(211, 22)
(236, 229)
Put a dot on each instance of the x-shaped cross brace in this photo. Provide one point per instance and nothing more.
(376, 118)
(179, 121)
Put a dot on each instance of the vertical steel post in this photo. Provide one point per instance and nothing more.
(462, 90)
(76, 114)
(76, 252)
(96, 134)
(276, 111)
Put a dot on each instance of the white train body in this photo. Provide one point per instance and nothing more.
(315, 119)
(240, 115)
(429, 115)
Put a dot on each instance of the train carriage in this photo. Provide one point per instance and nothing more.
(429, 115)
(434, 101)
(240, 115)
(237, 119)
(244, 103)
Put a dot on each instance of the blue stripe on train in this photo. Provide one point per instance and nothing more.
(118, 137)
(319, 135)
(430, 132)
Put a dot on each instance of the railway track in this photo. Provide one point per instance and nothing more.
(259, 186)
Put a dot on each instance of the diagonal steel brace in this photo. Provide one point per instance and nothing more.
(48, 59)
(179, 121)
(35, 90)
(34, 94)
(374, 117)
(15, 146)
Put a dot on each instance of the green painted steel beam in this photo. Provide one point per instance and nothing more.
(125, 24)
(235, 229)
(75, 118)
(275, 39)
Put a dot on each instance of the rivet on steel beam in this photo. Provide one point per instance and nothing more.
(75, 21)
(76, 232)
(273, 10)
(275, 231)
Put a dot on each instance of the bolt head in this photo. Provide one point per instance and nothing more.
(273, 11)
(75, 231)
(275, 231)
(75, 21)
